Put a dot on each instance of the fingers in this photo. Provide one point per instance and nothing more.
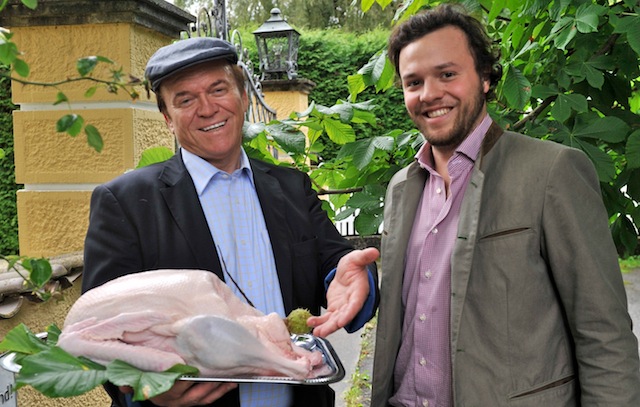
(187, 394)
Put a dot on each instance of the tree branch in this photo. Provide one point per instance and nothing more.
(535, 113)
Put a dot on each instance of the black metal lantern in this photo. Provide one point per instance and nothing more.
(277, 47)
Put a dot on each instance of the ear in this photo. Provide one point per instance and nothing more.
(169, 122)
(245, 101)
(486, 84)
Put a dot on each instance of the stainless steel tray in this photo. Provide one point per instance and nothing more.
(309, 342)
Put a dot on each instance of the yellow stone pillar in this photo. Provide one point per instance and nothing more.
(287, 96)
(59, 171)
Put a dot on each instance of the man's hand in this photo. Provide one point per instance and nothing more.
(347, 292)
(187, 394)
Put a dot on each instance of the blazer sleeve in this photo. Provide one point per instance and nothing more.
(584, 264)
(112, 246)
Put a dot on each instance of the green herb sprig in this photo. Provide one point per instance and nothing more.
(55, 373)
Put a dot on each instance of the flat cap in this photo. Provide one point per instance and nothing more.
(186, 53)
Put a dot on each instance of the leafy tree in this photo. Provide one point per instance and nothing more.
(307, 14)
(571, 75)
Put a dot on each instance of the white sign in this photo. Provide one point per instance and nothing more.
(8, 396)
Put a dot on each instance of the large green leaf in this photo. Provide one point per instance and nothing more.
(154, 155)
(632, 150)
(146, 384)
(56, 373)
(609, 129)
(587, 17)
(563, 32)
(21, 340)
(288, 137)
(604, 164)
(516, 88)
(93, 137)
(564, 104)
(624, 234)
(338, 132)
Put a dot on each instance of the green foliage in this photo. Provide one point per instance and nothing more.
(8, 187)
(571, 75)
(36, 273)
(56, 373)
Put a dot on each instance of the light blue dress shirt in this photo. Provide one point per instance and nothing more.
(232, 209)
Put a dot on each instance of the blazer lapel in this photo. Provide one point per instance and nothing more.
(272, 202)
(462, 257)
(183, 203)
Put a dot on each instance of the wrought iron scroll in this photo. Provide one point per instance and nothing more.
(214, 24)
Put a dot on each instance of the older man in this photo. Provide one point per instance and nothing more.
(211, 207)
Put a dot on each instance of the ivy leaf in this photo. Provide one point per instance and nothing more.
(93, 137)
(90, 92)
(21, 67)
(70, 123)
(632, 150)
(146, 384)
(56, 373)
(39, 271)
(60, 98)
(86, 65)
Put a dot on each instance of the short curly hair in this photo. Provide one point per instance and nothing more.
(425, 22)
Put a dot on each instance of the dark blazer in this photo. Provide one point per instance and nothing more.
(151, 218)
(538, 307)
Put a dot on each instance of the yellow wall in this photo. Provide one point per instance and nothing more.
(52, 222)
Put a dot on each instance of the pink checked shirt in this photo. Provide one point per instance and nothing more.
(423, 367)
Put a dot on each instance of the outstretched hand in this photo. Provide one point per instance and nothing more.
(347, 292)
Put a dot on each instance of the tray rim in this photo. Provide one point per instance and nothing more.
(7, 362)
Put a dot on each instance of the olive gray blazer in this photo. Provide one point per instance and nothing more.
(538, 308)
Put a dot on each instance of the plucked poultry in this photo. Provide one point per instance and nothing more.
(156, 319)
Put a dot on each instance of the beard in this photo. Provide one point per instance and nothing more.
(467, 120)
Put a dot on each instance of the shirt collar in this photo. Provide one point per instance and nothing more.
(202, 171)
(470, 146)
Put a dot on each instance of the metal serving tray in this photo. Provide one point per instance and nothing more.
(309, 342)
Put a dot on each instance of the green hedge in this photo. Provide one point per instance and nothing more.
(8, 187)
(327, 57)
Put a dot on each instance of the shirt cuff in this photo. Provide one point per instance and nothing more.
(366, 313)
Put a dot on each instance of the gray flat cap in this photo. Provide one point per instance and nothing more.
(185, 53)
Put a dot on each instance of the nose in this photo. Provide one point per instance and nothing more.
(431, 90)
(207, 106)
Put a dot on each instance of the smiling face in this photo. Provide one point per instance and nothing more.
(204, 108)
(443, 93)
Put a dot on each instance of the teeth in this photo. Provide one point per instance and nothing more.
(438, 113)
(215, 126)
